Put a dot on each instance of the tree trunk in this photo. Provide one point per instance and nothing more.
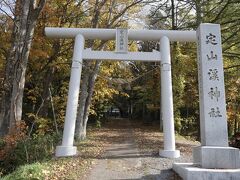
(46, 94)
(82, 132)
(85, 101)
(199, 17)
(88, 81)
(80, 135)
(173, 15)
(81, 121)
(26, 14)
(91, 85)
(236, 118)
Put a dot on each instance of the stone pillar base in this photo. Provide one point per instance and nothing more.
(63, 151)
(212, 157)
(169, 153)
(189, 171)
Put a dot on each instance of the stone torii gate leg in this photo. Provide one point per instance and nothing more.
(67, 148)
(167, 101)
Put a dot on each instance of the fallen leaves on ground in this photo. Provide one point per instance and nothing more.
(88, 151)
(148, 139)
(77, 166)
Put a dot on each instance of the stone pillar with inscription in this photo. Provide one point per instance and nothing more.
(214, 151)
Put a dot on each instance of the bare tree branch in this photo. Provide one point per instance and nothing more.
(6, 13)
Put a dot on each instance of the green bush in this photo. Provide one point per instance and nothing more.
(189, 126)
(28, 172)
(178, 124)
(2, 143)
(30, 150)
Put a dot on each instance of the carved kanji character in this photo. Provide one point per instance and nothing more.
(213, 74)
(212, 112)
(211, 38)
(217, 113)
(214, 93)
(212, 56)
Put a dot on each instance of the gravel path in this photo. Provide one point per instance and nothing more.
(126, 159)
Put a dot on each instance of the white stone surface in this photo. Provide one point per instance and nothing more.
(214, 151)
(121, 46)
(67, 148)
(213, 118)
(167, 101)
(110, 34)
(189, 171)
(62, 151)
(154, 56)
(216, 157)
(169, 153)
(213, 160)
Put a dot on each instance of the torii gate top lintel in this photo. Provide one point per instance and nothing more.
(110, 34)
(121, 52)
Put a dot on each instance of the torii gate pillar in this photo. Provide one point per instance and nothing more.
(167, 101)
(67, 148)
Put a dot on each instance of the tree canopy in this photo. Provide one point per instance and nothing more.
(37, 84)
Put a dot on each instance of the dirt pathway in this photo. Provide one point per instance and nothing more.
(129, 156)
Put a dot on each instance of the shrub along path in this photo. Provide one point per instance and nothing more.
(132, 153)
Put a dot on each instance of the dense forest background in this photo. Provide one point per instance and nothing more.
(35, 70)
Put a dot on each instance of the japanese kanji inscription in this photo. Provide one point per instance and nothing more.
(211, 86)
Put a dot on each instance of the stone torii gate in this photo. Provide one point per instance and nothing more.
(214, 151)
(122, 36)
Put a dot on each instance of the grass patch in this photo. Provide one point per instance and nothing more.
(51, 168)
(31, 171)
(28, 151)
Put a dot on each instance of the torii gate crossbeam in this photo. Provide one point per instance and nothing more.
(110, 34)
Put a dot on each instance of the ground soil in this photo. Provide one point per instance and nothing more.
(131, 152)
